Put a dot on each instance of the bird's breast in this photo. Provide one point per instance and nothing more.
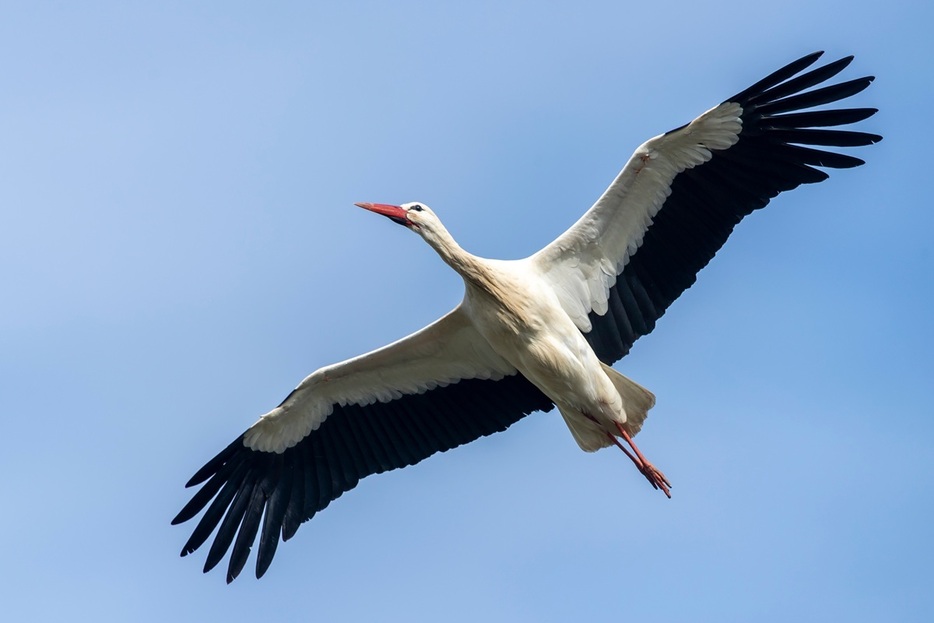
(524, 323)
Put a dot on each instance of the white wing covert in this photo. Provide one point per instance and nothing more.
(446, 351)
(584, 261)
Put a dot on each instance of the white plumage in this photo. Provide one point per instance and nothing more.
(534, 333)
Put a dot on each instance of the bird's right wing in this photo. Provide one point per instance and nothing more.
(678, 198)
(434, 390)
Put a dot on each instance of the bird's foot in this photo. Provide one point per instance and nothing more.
(655, 477)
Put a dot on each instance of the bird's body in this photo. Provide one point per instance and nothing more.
(534, 333)
(519, 314)
(515, 315)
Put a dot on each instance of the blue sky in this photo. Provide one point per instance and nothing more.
(178, 248)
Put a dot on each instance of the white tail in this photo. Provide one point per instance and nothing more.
(637, 400)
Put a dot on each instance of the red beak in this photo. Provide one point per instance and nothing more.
(395, 213)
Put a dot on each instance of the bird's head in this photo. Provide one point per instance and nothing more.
(416, 216)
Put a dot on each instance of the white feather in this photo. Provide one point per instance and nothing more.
(582, 264)
(444, 352)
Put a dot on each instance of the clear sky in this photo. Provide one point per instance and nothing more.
(179, 248)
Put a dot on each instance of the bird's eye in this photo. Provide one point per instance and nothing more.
(417, 208)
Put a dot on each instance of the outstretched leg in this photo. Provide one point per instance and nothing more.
(651, 473)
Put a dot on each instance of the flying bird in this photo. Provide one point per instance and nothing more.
(535, 333)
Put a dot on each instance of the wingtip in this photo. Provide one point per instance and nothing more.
(843, 63)
(809, 59)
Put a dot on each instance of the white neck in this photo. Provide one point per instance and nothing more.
(467, 265)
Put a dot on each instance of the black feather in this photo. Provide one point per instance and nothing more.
(353, 442)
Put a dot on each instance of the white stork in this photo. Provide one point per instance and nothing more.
(534, 333)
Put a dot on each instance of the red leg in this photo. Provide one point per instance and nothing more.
(638, 463)
(653, 475)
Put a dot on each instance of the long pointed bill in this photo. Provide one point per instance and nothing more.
(395, 213)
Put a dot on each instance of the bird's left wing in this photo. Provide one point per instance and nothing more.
(678, 198)
(434, 390)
